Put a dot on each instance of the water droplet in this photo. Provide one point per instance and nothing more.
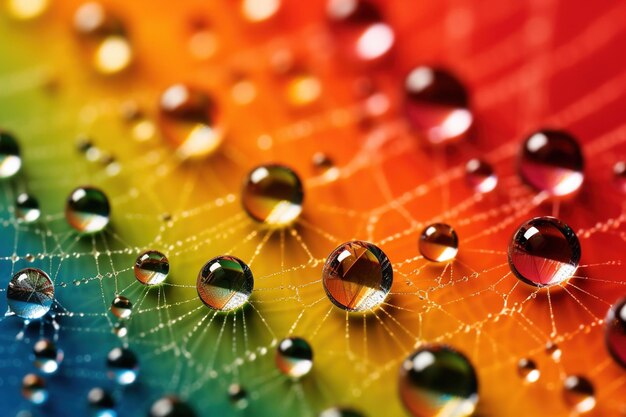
(10, 159)
(27, 208)
(121, 307)
(544, 252)
(171, 406)
(34, 389)
(225, 283)
(439, 242)
(340, 412)
(203, 42)
(357, 276)
(616, 332)
(294, 357)
(151, 267)
(359, 30)
(87, 210)
(101, 403)
(619, 176)
(579, 393)
(552, 161)
(123, 366)
(553, 351)
(30, 294)
(480, 176)
(325, 166)
(120, 330)
(47, 356)
(238, 396)
(527, 369)
(437, 105)
(259, 10)
(273, 195)
(438, 380)
(190, 121)
(302, 88)
(27, 9)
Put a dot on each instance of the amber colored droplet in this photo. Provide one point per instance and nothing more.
(439, 242)
(527, 369)
(151, 267)
(121, 307)
(579, 393)
(615, 332)
(480, 176)
(225, 283)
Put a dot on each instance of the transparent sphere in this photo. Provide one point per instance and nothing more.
(225, 283)
(527, 369)
(294, 357)
(579, 393)
(121, 307)
(47, 356)
(437, 381)
(544, 252)
(480, 176)
(87, 210)
(273, 195)
(101, 403)
(615, 332)
(552, 161)
(151, 267)
(27, 208)
(190, 122)
(34, 389)
(171, 406)
(357, 276)
(439, 243)
(238, 396)
(123, 366)
(10, 159)
(437, 105)
(30, 293)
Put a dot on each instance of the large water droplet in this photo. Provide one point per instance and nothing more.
(87, 210)
(273, 195)
(10, 159)
(123, 366)
(47, 356)
(552, 161)
(480, 176)
(238, 396)
(578, 393)
(121, 307)
(27, 208)
(544, 252)
(341, 412)
(439, 242)
(189, 120)
(151, 267)
(437, 105)
(30, 294)
(437, 380)
(616, 332)
(101, 402)
(34, 389)
(294, 357)
(171, 406)
(357, 276)
(527, 369)
(225, 283)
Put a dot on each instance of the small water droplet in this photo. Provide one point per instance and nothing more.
(30, 293)
(120, 330)
(259, 10)
(553, 350)
(579, 393)
(10, 159)
(87, 210)
(302, 88)
(225, 283)
(101, 402)
(325, 166)
(527, 369)
(171, 406)
(203, 42)
(151, 268)
(34, 389)
(27, 208)
(615, 330)
(294, 357)
(121, 307)
(238, 396)
(439, 242)
(480, 176)
(123, 366)
(47, 356)
(619, 176)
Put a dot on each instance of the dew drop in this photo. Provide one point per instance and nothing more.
(259, 10)
(101, 403)
(30, 294)
(615, 332)
(437, 105)
(294, 357)
(578, 393)
(552, 161)
(47, 356)
(273, 195)
(190, 122)
(26, 9)
(120, 330)
(341, 412)
(619, 176)
(357, 276)
(151, 268)
(480, 176)
(437, 380)
(10, 159)
(544, 252)
(238, 396)
(325, 166)
(171, 406)
(553, 351)
(34, 389)
(121, 307)
(439, 242)
(27, 208)
(87, 210)
(123, 366)
(527, 369)
(225, 283)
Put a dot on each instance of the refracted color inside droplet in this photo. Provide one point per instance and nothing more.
(302, 89)
(189, 120)
(359, 30)
(552, 161)
(225, 283)
(151, 267)
(554, 351)
(341, 412)
(438, 381)
(121, 307)
(47, 356)
(544, 252)
(10, 159)
(34, 389)
(325, 166)
(238, 396)
(480, 176)
(437, 105)
(27, 208)
(619, 176)
(357, 276)
(26, 9)
(578, 393)
(615, 332)
(439, 242)
(273, 195)
(123, 366)
(101, 402)
(171, 406)
(87, 210)
(527, 369)
(30, 294)
(294, 357)
(259, 10)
